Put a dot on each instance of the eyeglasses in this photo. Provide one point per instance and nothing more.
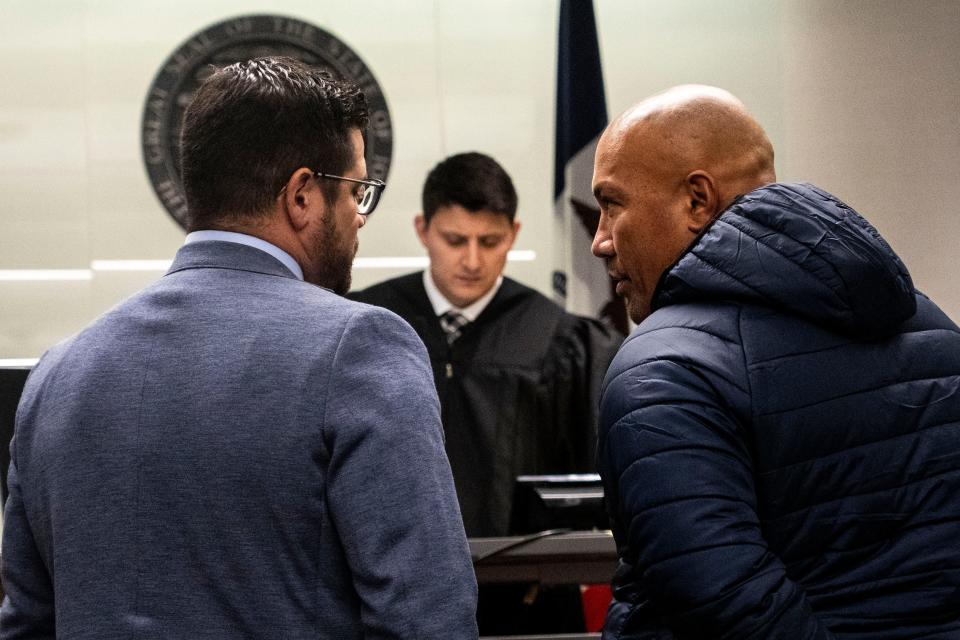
(367, 197)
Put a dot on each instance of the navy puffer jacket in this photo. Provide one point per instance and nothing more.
(780, 439)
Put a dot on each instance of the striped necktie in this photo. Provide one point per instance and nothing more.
(452, 324)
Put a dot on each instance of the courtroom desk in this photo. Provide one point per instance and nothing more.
(563, 636)
(573, 557)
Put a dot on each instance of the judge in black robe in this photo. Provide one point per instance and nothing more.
(518, 391)
(518, 388)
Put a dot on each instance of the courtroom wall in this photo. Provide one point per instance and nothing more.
(859, 96)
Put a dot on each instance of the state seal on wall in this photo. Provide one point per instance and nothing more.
(231, 41)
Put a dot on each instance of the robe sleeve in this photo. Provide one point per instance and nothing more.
(578, 360)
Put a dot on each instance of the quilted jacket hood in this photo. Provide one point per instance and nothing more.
(797, 248)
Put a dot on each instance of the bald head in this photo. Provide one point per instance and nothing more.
(698, 127)
(664, 170)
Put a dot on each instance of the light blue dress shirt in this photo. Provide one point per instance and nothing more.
(250, 241)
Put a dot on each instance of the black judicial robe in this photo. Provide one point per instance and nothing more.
(518, 391)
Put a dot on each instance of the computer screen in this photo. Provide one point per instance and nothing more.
(568, 501)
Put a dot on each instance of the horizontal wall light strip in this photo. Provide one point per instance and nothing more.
(97, 266)
(391, 262)
(376, 262)
(522, 255)
(35, 275)
(18, 362)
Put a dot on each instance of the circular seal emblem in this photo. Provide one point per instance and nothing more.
(231, 41)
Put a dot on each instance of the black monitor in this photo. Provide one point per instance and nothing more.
(569, 501)
(12, 380)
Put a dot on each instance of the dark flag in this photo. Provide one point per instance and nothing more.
(580, 280)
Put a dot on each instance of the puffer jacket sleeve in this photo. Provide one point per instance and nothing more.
(677, 471)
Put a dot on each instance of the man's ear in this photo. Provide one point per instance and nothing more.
(516, 230)
(704, 200)
(298, 195)
(420, 224)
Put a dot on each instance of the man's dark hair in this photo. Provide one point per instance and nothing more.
(472, 180)
(252, 124)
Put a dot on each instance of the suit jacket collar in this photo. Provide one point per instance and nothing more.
(228, 255)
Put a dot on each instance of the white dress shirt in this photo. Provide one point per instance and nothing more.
(441, 305)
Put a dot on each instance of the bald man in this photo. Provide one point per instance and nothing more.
(780, 436)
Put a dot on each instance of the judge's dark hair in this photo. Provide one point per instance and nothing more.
(252, 124)
(472, 180)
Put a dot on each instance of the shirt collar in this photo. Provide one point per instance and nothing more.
(441, 305)
(250, 241)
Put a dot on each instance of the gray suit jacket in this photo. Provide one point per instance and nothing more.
(234, 453)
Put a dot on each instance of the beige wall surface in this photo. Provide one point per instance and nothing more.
(860, 96)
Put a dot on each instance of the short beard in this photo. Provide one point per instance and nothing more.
(333, 261)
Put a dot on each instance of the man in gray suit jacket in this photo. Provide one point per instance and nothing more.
(236, 452)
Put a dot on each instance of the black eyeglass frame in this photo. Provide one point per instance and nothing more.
(364, 207)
